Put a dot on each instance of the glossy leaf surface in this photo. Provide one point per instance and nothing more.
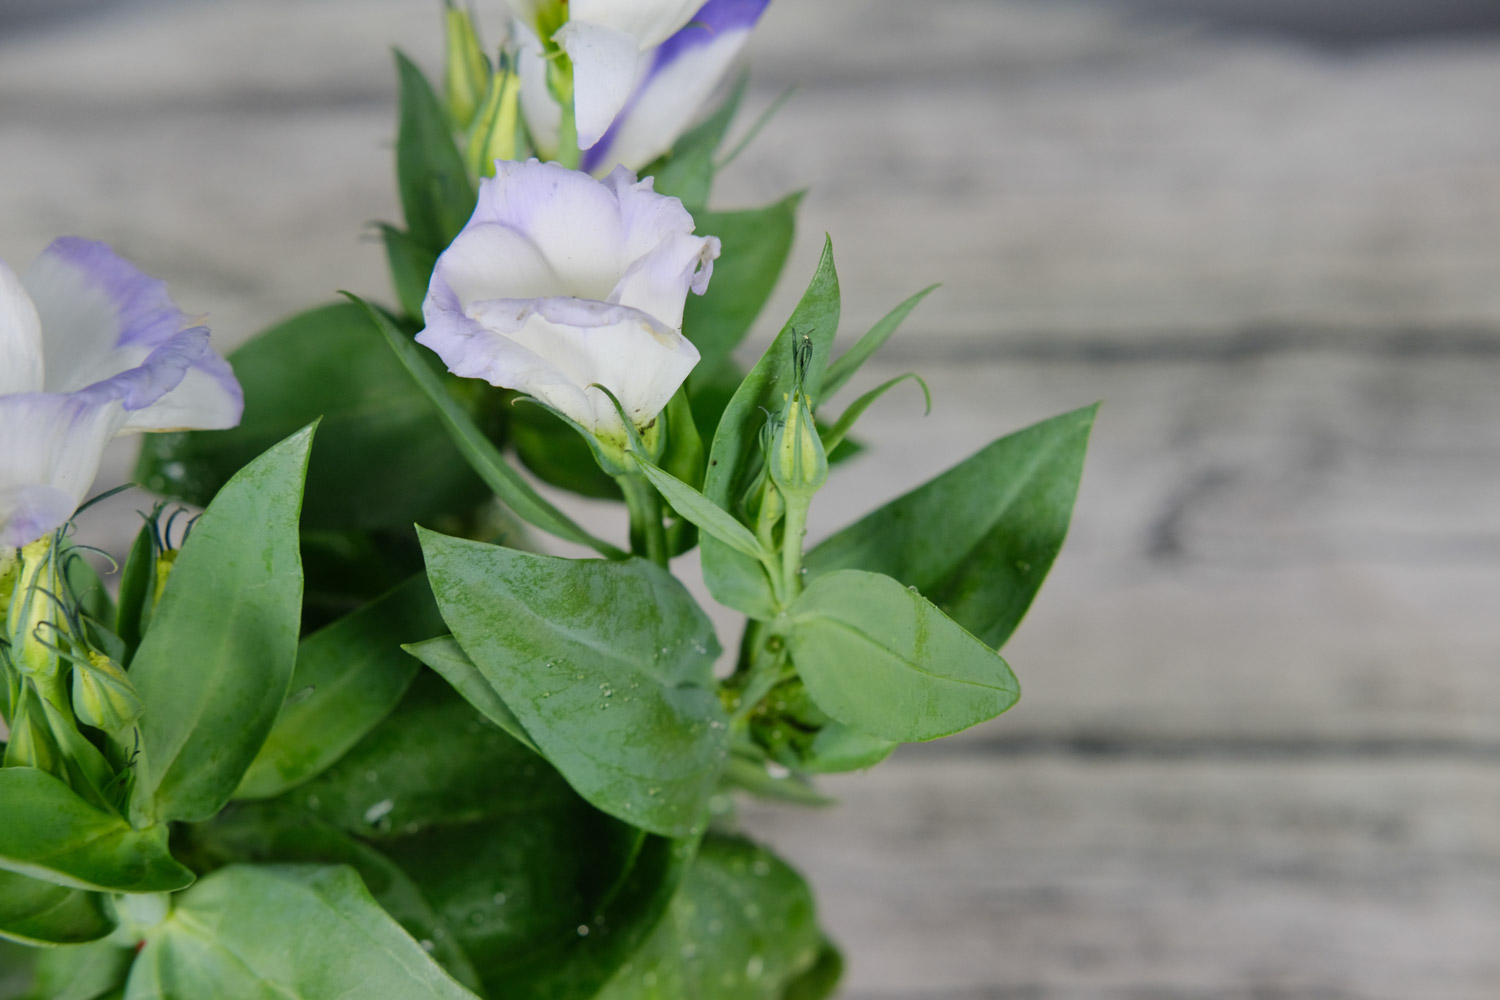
(608, 666)
(214, 666)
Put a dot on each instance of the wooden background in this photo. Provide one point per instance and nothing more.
(1258, 754)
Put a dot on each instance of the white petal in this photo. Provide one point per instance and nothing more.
(50, 447)
(92, 303)
(670, 96)
(658, 283)
(493, 261)
(649, 22)
(605, 63)
(542, 114)
(20, 337)
(206, 399)
(573, 220)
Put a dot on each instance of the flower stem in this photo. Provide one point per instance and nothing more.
(646, 530)
(567, 139)
(791, 547)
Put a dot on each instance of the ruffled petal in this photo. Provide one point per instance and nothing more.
(206, 397)
(581, 342)
(605, 61)
(571, 219)
(493, 261)
(93, 306)
(658, 282)
(20, 337)
(679, 80)
(50, 447)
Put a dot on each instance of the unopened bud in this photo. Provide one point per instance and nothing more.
(103, 696)
(31, 741)
(165, 560)
(493, 136)
(798, 463)
(467, 74)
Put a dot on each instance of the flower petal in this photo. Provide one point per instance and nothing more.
(571, 219)
(494, 261)
(676, 84)
(658, 282)
(92, 303)
(20, 337)
(649, 22)
(542, 114)
(50, 447)
(605, 60)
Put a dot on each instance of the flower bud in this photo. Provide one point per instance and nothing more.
(31, 741)
(493, 135)
(798, 462)
(467, 74)
(103, 696)
(32, 608)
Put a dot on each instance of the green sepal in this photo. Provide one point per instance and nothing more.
(842, 370)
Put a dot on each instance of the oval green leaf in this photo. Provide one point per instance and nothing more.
(608, 666)
(43, 913)
(285, 932)
(51, 834)
(214, 665)
(879, 657)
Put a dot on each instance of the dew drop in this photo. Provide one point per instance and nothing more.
(762, 867)
(499, 899)
(583, 930)
(426, 945)
(379, 811)
(754, 967)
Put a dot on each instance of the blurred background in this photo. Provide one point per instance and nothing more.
(1258, 754)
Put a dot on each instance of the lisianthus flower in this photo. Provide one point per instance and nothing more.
(604, 40)
(561, 281)
(669, 86)
(91, 348)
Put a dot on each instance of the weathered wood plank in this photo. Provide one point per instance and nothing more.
(1105, 879)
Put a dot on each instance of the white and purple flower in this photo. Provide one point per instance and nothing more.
(561, 281)
(631, 105)
(91, 348)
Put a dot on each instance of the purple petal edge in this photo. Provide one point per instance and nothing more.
(146, 313)
(714, 19)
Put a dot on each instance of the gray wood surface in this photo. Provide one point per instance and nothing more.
(1259, 746)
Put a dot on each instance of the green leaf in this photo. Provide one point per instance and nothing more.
(838, 748)
(433, 761)
(819, 982)
(437, 196)
(556, 452)
(411, 267)
(703, 512)
(755, 247)
(82, 972)
(978, 539)
(448, 658)
(608, 666)
(43, 913)
(742, 927)
(381, 458)
(877, 656)
(309, 932)
(136, 582)
(835, 435)
(687, 172)
(553, 907)
(842, 370)
(735, 579)
(349, 676)
(214, 666)
(51, 834)
(482, 455)
(270, 832)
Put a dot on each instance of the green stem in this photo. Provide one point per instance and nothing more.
(645, 517)
(567, 140)
(791, 547)
(764, 674)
